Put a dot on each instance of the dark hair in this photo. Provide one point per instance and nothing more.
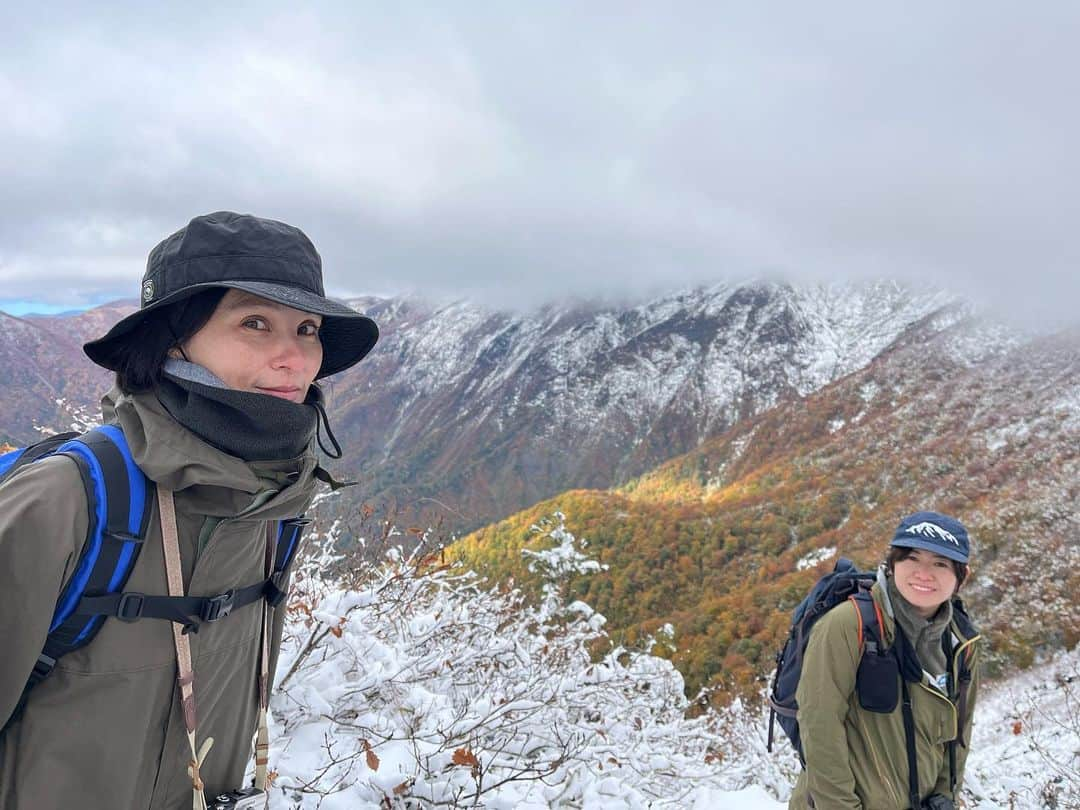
(147, 345)
(898, 553)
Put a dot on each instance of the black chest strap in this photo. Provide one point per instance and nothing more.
(189, 611)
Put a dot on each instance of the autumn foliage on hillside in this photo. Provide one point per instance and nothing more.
(711, 542)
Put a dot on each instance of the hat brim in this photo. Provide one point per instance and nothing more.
(347, 335)
(936, 548)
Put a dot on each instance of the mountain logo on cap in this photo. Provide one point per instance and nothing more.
(932, 530)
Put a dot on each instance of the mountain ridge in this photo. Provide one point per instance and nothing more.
(465, 414)
(625, 388)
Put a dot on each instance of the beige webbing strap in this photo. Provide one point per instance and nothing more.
(185, 677)
(262, 738)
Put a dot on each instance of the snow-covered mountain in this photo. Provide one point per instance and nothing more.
(473, 413)
(483, 411)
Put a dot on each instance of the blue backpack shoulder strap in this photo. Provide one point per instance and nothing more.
(288, 541)
(118, 495)
(14, 459)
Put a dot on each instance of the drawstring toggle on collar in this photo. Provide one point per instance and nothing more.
(324, 422)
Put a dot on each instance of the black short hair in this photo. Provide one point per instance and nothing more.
(898, 553)
(148, 344)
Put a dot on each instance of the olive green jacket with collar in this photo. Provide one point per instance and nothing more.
(105, 729)
(856, 758)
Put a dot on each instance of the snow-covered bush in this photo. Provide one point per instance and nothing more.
(421, 686)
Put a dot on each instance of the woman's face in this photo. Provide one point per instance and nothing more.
(925, 579)
(257, 345)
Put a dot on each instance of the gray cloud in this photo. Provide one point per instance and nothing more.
(523, 154)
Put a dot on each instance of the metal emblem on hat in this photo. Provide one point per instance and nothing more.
(148, 291)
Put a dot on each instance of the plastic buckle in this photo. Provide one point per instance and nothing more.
(217, 607)
(42, 667)
(130, 607)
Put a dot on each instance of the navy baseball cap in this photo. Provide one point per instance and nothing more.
(934, 532)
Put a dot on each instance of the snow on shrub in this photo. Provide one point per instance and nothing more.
(419, 685)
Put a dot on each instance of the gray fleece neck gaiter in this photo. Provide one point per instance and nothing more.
(247, 425)
(924, 634)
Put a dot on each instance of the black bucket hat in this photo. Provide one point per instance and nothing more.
(262, 256)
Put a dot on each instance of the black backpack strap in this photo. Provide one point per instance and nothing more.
(869, 627)
(873, 641)
(961, 687)
(909, 739)
(950, 689)
(131, 606)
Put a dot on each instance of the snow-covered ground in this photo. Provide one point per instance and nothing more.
(407, 684)
(1025, 749)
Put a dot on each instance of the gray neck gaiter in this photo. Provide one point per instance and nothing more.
(249, 426)
(924, 634)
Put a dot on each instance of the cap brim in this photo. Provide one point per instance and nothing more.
(936, 548)
(347, 335)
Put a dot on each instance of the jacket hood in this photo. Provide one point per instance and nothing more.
(218, 484)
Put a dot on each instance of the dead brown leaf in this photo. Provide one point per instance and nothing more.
(465, 757)
(370, 756)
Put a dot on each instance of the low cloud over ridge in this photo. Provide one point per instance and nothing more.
(519, 156)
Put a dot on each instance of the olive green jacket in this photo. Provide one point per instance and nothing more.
(856, 758)
(105, 729)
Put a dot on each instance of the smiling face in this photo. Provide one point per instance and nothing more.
(925, 579)
(256, 345)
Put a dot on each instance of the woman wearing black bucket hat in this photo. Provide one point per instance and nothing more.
(217, 401)
(892, 730)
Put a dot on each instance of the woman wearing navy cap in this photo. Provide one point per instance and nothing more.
(859, 741)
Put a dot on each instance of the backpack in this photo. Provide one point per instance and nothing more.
(844, 582)
(119, 496)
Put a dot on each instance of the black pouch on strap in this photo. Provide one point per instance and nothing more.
(878, 680)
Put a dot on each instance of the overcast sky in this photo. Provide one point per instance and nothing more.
(518, 152)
